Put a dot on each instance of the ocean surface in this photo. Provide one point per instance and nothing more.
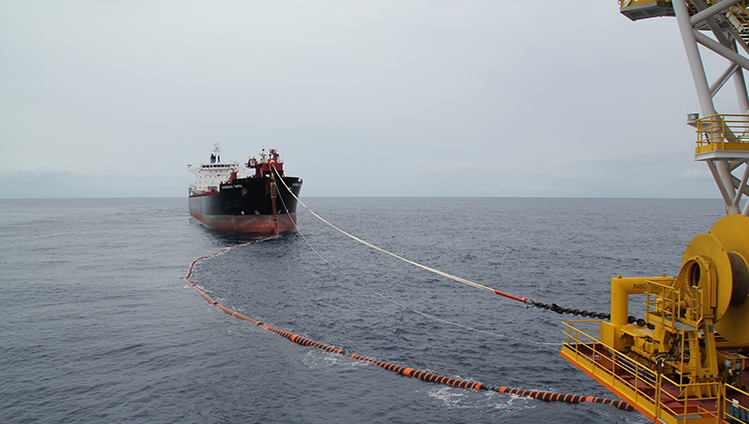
(97, 326)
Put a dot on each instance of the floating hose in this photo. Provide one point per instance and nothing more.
(408, 372)
(302, 340)
(558, 397)
(186, 280)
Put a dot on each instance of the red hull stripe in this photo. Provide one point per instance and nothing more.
(256, 224)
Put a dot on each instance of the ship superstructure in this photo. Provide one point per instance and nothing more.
(210, 174)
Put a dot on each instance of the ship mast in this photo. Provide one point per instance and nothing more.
(216, 152)
(722, 28)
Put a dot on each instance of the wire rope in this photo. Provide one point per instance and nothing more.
(379, 249)
(444, 321)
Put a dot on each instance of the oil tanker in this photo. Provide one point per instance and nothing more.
(255, 197)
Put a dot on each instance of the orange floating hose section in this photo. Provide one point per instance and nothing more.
(186, 280)
(405, 371)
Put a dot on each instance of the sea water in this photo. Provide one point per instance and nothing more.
(97, 326)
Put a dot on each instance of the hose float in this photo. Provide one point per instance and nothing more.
(559, 397)
(405, 371)
(302, 340)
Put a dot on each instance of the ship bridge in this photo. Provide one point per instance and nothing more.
(210, 174)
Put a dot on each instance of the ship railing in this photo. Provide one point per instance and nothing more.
(651, 392)
(732, 409)
(722, 132)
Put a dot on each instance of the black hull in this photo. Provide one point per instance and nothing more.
(246, 206)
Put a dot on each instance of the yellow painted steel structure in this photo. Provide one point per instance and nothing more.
(688, 364)
(637, 384)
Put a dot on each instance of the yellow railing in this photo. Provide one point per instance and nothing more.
(668, 304)
(582, 341)
(685, 402)
(722, 132)
(738, 17)
(733, 410)
(625, 3)
(637, 383)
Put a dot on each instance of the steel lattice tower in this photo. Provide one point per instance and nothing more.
(722, 28)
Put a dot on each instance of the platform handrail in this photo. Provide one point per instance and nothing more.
(628, 375)
(667, 304)
(733, 410)
(722, 132)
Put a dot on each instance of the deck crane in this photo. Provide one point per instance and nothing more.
(685, 362)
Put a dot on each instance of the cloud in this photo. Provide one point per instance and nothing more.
(46, 184)
(361, 98)
(702, 175)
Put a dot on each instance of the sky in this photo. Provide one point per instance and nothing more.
(361, 98)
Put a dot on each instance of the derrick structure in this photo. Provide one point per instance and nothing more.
(722, 27)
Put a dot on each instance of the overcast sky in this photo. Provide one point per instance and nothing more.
(361, 98)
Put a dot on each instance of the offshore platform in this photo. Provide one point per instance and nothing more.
(685, 362)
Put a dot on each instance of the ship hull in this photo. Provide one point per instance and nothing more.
(245, 205)
(261, 224)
